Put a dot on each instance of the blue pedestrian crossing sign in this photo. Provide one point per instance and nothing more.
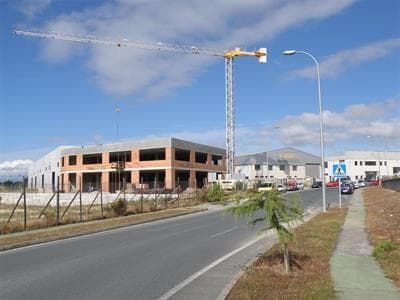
(339, 171)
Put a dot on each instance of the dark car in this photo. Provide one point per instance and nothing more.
(346, 188)
(317, 184)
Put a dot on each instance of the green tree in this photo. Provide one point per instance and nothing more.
(277, 213)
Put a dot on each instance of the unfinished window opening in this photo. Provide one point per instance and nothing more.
(42, 181)
(370, 163)
(116, 181)
(282, 168)
(182, 155)
(216, 160)
(62, 161)
(201, 179)
(152, 179)
(201, 157)
(257, 167)
(182, 178)
(71, 182)
(91, 182)
(125, 156)
(91, 159)
(72, 160)
(152, 154)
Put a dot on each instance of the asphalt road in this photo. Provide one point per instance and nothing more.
(138, 262)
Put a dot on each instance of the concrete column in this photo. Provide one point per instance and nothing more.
(192, 156)
(209, 158)
(170, 178)
(64, 184)
(79, 181)
(105, 157)
(135, 178)
(169, 154)
(135, 156)
(79, 160)
(105, 180)
(192, 179)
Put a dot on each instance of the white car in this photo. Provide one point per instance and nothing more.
(356, 184)
(281, 188)
(300, 186)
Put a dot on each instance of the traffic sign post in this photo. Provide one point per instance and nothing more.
(339, 171)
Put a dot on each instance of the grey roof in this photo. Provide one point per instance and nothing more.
(284, 156)
(143, 144)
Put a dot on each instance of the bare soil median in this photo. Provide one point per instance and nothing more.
(310, 271)
(20, 239)
(383, 224)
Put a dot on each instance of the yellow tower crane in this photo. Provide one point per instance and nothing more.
(228, 55)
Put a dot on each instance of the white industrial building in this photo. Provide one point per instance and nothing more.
(280, 164)
(43, 173)
(365, 165)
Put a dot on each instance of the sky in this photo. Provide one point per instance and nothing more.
(56, 93)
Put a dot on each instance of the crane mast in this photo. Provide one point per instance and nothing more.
(228, 55)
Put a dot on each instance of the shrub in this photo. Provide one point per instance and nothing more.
(215, 194)
(119, 207)
(382, 247)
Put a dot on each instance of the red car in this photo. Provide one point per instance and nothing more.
(332, 183)
(373, 182)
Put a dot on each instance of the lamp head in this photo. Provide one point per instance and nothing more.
(289, 52)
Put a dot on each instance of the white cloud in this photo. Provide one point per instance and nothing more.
(31, 8)
(14, 169)
(218, 24)
(380, 120)
(339, 62)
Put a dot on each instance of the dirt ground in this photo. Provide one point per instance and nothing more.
(309, 278)
(383, 224)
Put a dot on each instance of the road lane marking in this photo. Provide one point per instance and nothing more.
(223, 232)
(194, 276)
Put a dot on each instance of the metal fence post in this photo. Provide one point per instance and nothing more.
(80, 199)
(141, 196)
(58, 202)
(24, 190)
(124, 186)
(101, 199)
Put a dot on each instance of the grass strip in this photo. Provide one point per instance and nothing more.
(309, 278)
(20, 239)
(382, 207)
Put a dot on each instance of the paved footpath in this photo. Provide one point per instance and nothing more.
(355, 272)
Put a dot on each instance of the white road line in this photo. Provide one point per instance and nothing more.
(184, 231)
(223, 232)
(188, 280)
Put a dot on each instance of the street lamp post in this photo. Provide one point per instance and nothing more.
(293, 52)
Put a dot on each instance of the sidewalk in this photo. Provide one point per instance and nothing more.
(355, 273)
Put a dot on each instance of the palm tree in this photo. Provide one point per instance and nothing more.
(278, 213)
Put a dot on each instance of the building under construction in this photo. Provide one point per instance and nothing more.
(162, 163)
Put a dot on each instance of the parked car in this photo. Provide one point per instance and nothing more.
(332, 183)
(363, 183)
(317, 184)
(346, 188)
(281, 188)
(300, 186)
(373, 182)
(291, 185)
(356, 184)
(265, 186)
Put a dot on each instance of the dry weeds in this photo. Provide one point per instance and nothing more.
(310, 271)
(383, 224)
